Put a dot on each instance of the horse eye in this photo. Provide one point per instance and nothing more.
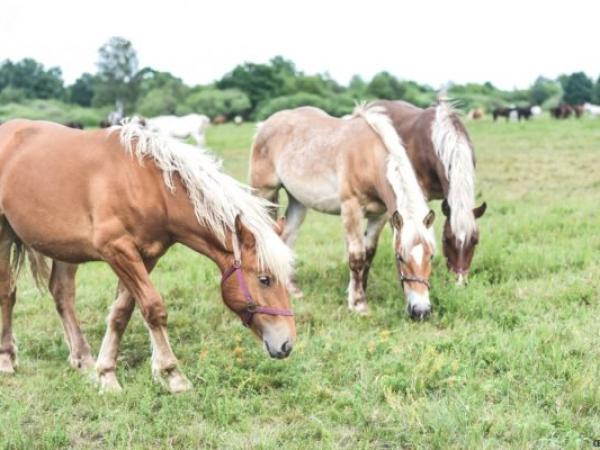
(265, 280)
(399, 258)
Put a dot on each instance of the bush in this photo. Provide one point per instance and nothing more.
(338, 105)
(161, 101)
(214, 102)
(53, 110)
(12, 94)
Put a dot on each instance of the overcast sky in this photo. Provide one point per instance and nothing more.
(507, 42)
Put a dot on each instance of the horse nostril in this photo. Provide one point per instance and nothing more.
(417, 313)
(286, 348)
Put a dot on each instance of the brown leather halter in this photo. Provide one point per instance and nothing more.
(252, 308)
(410, 278)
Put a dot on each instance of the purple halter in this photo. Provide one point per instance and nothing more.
(251, 306)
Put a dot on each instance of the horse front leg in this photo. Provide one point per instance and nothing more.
(352, 217)
(126, 261)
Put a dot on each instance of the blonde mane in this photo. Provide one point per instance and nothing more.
(217, 198)
(410, 200)
(454, 151)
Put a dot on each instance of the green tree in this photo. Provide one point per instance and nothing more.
(578, 89)
(357, 86)
(32, 78)
(82, 91)
(596, 98)
(117, 69)
(260, 82)
(385, 85)
(543, 89)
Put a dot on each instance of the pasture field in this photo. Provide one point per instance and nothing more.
(511, 361)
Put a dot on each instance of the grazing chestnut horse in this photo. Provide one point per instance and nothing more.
(124, 196)
(441, 153)
(358, 168)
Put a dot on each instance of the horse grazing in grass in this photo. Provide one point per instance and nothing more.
(441, 153)
(358, 168)
(124, 196)
(192, 125)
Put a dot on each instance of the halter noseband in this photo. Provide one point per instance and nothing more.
(410, 278)
(407, 278)
(252, 307)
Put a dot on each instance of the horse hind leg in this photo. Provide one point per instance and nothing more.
(62, 288)
(294, 216)
(8, 292)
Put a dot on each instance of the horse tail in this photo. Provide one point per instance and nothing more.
(38, 263)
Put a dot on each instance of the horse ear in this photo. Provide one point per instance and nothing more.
(429, 218)
(446, 208)
(245, 237)
(279, 225)
(478, 212)
(397, 220)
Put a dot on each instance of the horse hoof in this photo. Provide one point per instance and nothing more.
(109, 383)
(360, 308)
(178, 383)
(6, 364)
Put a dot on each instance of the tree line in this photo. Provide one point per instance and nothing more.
(255, 91)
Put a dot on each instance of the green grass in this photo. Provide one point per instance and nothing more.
(512, 361)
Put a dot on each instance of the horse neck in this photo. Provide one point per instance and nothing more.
(183, 225)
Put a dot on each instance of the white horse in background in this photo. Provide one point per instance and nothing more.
(594, 110)
(536, 110)
(192, 125)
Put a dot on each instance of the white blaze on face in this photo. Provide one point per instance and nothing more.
(418, 301)
(417, 253)
(461, 238)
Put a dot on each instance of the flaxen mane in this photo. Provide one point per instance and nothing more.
(454, 150)
(217, 198)
(410, 200)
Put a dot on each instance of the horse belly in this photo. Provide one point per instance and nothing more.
(318, 192)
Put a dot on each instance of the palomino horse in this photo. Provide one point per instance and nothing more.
(192, 125)
(124, 196)
(442, 155)
(355, 167)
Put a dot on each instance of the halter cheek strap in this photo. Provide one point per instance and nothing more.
(252, 307)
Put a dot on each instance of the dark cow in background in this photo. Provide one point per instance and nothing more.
(519, 112)
(74, 124)
(501, 112)
(564, 111)
(524, 112)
